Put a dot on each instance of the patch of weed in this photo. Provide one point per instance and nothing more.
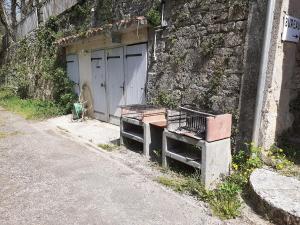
(165, 99)
(224, 200)
(154, 17)
(278, 159)
(108, 147)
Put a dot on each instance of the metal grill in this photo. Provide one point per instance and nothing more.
(188, 119)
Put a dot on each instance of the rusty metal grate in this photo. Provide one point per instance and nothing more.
(188, 119)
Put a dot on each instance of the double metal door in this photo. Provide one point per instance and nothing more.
(119, 77)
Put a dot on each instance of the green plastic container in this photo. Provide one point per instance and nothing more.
(77, 110)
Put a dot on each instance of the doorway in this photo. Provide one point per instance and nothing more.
(118, 78)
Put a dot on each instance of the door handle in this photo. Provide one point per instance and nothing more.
(102, 85)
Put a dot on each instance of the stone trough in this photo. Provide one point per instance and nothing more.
(276, 196)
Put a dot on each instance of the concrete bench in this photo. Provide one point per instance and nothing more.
(213, 159)
(149, 134)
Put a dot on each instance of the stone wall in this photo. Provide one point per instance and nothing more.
(29, 68)
(107, 11)
(200, 55)
(208, 55)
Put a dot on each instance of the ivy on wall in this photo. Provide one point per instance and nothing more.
(34, 68)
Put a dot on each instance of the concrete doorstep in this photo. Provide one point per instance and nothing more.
(92, 130)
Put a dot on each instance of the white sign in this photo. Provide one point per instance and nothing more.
(291, 29)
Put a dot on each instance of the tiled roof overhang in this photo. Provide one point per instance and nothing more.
(119, 26)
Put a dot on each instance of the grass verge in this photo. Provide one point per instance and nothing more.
(225, 200)
(28, 108)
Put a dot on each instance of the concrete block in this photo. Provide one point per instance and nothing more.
(151, 136)
(147, 140)
(215, 127)
(215, 157)
(218, 127)
(216, 161)
(121, 136)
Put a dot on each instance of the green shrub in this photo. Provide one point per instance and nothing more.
(225, 201)
(279, 160)
(35, 62)
(29, 108)
(154, 17)
(165, 99)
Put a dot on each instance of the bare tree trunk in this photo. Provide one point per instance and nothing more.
(37, 5)
(5, 21)
(30, 5)
(23, 9)
(13, 13)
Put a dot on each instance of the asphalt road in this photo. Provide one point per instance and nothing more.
(46, 178)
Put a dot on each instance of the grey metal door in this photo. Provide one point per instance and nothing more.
(135, 73)
(115, 83)
(99, 84)
(73, 71)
